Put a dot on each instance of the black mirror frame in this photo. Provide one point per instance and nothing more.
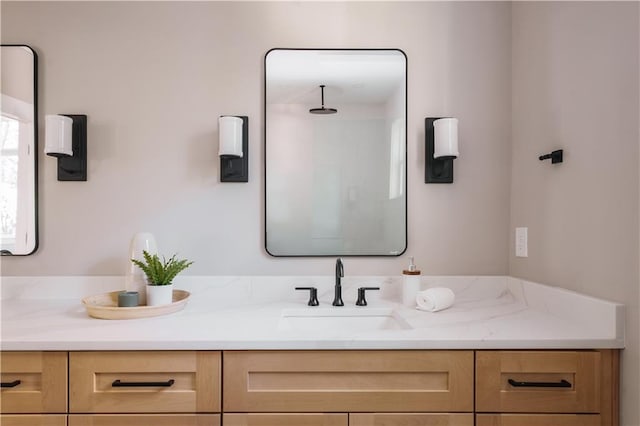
(406, 154)
(35, 149)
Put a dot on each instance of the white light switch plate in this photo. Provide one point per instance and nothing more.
(521, 242)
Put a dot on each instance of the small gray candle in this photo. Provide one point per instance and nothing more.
(127, 299)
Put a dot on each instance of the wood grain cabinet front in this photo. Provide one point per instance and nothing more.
(311, 388)
(144, 382)
(33, 382)
(348, 381)
(144, 419)
(410, 419)
(544, 381)
(547, 388)
(286, 419)
(538, 420)
(33, 420)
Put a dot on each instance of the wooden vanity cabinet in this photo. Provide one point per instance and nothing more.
(348, 381)
(410, 419)
(34, 388)
(33, 420)
(311, 388)
(562, 388)
(286, 419)
(127, 388)
(347, 419)
(144, 419)
(538, 420)
(33, 382)
(354, 388)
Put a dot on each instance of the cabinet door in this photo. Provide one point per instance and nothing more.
(414, 419)
(144, 382)
(538, 381)
(33, 420)
(144, 419)
(37, 382)
(348, 381)
(538, 420)
(289, 419)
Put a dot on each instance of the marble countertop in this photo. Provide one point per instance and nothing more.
(226, 313)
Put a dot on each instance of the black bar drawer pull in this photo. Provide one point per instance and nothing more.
(10, 384)
(120, 384)
(561, 384)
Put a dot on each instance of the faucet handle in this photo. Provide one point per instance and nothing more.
(339, 268)
(361, 299)
(313, 295)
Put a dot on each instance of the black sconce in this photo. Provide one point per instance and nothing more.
(441, 140)
(233, 137)
(66, 139)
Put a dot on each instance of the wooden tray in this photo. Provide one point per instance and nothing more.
(105, 306)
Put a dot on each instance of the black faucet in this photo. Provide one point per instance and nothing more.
(337, 300)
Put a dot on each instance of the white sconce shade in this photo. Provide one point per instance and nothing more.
(58, 140)
(445, 138)
(230, 136)
(66, 139)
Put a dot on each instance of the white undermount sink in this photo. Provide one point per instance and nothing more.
(341, 319)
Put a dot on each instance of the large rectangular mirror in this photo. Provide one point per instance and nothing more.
(18, 150)
(335, 152)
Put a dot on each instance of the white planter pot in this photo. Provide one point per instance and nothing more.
(159, 295)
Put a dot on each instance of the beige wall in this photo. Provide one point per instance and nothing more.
(575, 86)
(153, 78)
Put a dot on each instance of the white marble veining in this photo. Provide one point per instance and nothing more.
(490, 312)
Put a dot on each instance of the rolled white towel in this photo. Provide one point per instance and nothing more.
(435, 299)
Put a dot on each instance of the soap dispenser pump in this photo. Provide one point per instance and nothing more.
(410, 284)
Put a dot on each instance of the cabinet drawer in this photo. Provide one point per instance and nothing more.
(33, 420)
(144, 419)
(415, 419)
(538, 420)
(316, 381)
(144, 382)
(276, 419)
(40, 380)
(541, 382)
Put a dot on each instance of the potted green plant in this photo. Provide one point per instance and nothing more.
(160, 275)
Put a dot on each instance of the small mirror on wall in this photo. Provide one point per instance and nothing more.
(18, 150)
(335, 152)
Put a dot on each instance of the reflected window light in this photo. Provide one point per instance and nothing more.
(9, 138)
(396, 160)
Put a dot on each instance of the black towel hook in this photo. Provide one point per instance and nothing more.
(556, 156)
